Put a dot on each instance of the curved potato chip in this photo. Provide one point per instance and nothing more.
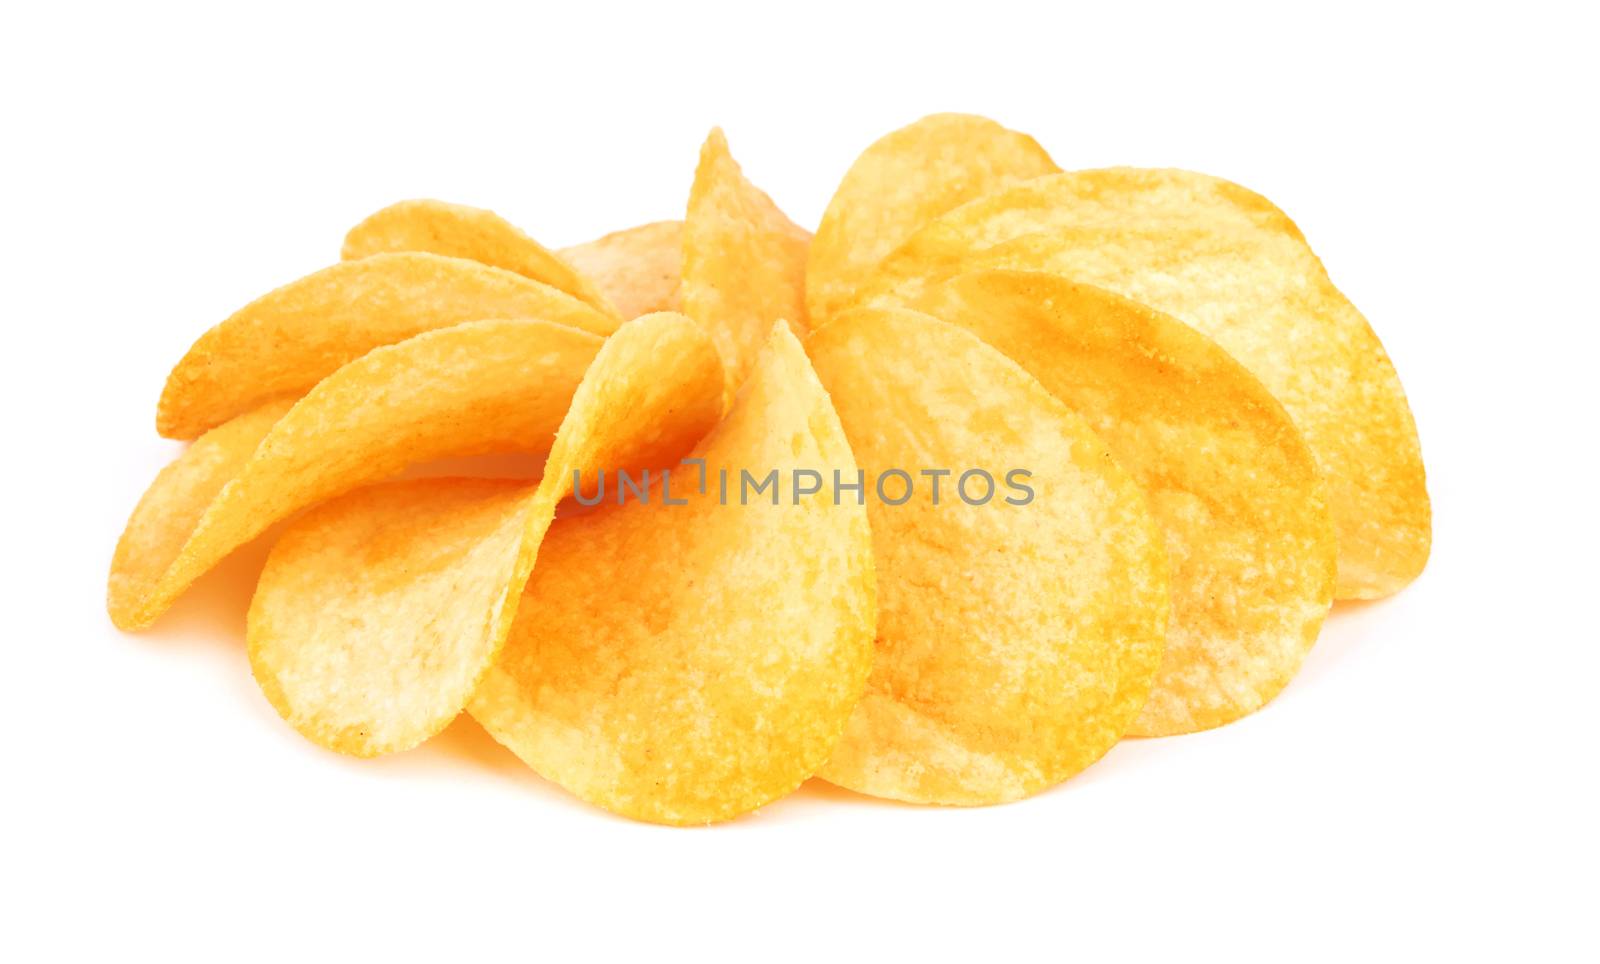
(686, 664)
(472, 389)
(286, 341)
(638, 269)
(377, 614)
(1226, 261)
(744, 262)
(904, 180)
(1114, 197)
(458, 231)
(1250, 544)
(1264, 297)
(1016, 642)
(174, 503)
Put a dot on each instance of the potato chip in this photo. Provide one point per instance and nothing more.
(1264, 297)
(1250, 544)
(377, 614)
(457, 231)
(1022, 605)
(281, 344)
(475, 388)
(686, 664)
(744, 263)
(638, 269)
(904, 180)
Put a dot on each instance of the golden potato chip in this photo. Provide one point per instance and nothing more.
(1250, 545)
(470, 389)
(377, 614)
(284, 342)
(638, 269)
(1264, 297)
(173, 505)
(1022, 603)
(688, 663)
(904, 180)
(1116, 197)
(458, 231)
(744, 263)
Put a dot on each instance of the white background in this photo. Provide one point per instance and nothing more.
(1427, 784)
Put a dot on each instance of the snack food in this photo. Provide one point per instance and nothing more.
(377, 615)
(1016, 642)
(638, 269)
(458, 231)
(744, 262)
(286, 341)
(475, 388)
(1005, 464)
(1258, 291)
(1250, 544)
(685, 664)
(904, 180)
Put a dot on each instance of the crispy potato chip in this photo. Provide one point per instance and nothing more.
(1016, 642)
(284, 342)
(1263, 296)
(471, 389)
(686, 664)
(904, 180)
(458, 231)
(1115, 196)
(744, 262)
(377, 614)
(1250, 544)
(638, 269)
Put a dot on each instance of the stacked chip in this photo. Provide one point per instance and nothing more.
(1040, 460)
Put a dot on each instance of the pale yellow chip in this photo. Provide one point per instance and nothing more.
(639, 269)
(904, 180)
(475, 388)
(686, 664)
(1018, 636)
(744, 262)
(377, 613)
(1260, 293)
(281, 344)
(1250, 544)
(458, 231)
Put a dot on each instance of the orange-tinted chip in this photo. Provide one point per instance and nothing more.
(284, 342)
(904, 180)
(377, 614)
(1250, 545)
(476, 388)
(638, 269)
(1021, 604)
(744, 262)
(687, 663)
(1240, 274)
(457, 231)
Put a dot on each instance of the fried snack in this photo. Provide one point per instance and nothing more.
(377, 614)
(1018, 638)
(1264, 297)
(475, 388)
(458, 231)
(638, 269)
(904, 180)
(744, 262)
(283, 343)
(1250, 544)
(1115, 196)
(686, 664)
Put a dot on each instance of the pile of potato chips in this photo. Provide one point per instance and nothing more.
(1215, 446)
